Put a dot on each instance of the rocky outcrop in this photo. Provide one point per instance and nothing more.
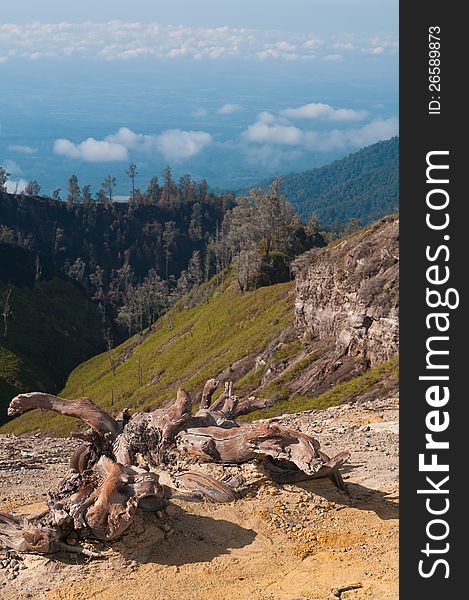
(348, 294)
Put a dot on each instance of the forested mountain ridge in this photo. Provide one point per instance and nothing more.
(136, 258)
(363, 186)
(111, 235)
(86, 275)
(265, 340)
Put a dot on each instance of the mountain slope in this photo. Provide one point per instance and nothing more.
(364, 186)
(186, 347)
(251, 339)
(52, 326)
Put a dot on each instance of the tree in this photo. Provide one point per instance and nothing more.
(194, 269)
(247, 264)
(3, 179)
(170, 233)
(38, 268)
(121, 283)
(169, 194)
(74, 192)
(203, 187)
(87, 197)
(107, 187)
(77, 271)
(101, 197)
(56, 194)
(97, 281)
(32, 189)
(6, 310)
(195, 225)
(153, 191)
(7, 235)
(187, 188)
(274, 215)
(132, 172)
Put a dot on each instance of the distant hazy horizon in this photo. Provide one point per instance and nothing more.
(88, 89)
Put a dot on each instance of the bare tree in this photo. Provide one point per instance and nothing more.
(87, 197)
(74, 192)
(3, 179)
(107, 187)
(77, 271)
(169, 239)
(32, 189)
(107, 335)
(247, 264)
(141, 460)
(38, 268)
(274, 214)
(97, 280)
(132, 172)
(6, 310)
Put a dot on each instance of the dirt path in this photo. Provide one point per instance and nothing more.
(279, 543)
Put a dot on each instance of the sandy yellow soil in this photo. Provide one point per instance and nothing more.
(278, 543)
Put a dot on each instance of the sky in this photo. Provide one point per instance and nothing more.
(324, 16)
(233, 91)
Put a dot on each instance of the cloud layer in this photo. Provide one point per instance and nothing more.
(172, 144)
(271, 130)
(317, 110)
(118, 40)
(268, 136)
(91, 150)
(228, 109)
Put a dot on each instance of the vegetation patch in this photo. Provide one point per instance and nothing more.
(339, 393)
(221, 331)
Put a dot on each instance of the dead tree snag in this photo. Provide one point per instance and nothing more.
(140, 461)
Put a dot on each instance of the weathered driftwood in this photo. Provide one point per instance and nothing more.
(139, 461)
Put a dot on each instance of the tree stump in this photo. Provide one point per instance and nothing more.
(136, 462)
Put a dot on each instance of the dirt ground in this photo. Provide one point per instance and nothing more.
(291, 542)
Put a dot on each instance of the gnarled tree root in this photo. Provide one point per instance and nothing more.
(106, 486)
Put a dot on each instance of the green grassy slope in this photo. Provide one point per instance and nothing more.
(186, 347)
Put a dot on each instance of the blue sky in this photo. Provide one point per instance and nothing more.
(229, 90)
(324, 16)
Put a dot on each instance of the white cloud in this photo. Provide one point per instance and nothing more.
(284, 45)
(267, 117)
(344, 46)
(271, 157)
(19, 149)
(16, 185)
(3, 60)
(334, 57)
(275, 133)
(91, 150)
(318, 110)
(358, 137)
(199, 112)
(377, 50)
(118, 40)
(378, 129)
(312, 42)
(269, 133)
(124, 137)
(228, 109)
(175, 144)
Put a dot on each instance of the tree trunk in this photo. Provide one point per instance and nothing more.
(105, 487)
